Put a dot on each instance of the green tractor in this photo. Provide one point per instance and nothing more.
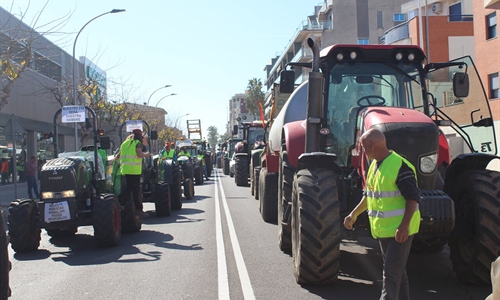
(70, 197)
(229, 147)
(248, 151)
(187, 168)
(152, 189)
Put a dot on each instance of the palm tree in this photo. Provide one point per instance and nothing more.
(255, 95)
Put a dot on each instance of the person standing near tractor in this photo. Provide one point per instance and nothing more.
(184, 152)
(391, 198)
(168, 152)
(132, 150)
(5, 171)
(31, 169)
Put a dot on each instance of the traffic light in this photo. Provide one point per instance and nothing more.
(100, 132)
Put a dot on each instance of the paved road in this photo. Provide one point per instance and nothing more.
(215, 247)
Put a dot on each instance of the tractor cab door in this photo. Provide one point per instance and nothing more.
(469, 113)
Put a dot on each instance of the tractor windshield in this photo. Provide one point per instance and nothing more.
(354, 85)
(255, 136)
(471, 116)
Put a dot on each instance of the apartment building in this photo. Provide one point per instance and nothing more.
(335, 22)
(42, 89)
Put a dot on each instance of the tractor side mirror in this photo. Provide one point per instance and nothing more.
(287, 81)
(460, 84)
(235, 129)
(105, 142)
(154, 135)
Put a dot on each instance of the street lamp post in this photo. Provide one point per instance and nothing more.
(114, 11)
(175, 124)
(166, 86)
(173, 94)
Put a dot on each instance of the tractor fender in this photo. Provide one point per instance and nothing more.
(465, 162)
(294, 135)
(318, 160)
(241, 154)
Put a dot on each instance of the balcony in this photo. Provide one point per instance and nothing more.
(396, 33)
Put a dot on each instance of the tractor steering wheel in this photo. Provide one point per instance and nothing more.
(378, 100)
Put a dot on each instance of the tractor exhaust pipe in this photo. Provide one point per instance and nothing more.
(314, 102)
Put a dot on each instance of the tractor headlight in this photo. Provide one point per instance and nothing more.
(68, 194)
(428, 163)
(47, 195)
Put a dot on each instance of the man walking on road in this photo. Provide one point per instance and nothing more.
(31, 169)
(391, 197)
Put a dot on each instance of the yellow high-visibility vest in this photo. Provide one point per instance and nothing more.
(386, 205)
(130, 163)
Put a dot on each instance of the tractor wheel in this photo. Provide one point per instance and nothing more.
(428, 245)
(256, 176)
(218, 162)
(106, 219)
(61, 232)
(198, 175)
(315, 227)
(474, 242)
(131, 222)
(5, 264)
(252, 184)
(188, 189)
(268, 198)
(226, 166)
(161, 198)
(285, 184)
(24, 231)
(176, 189)
(241, 170)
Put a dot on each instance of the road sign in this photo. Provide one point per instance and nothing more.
(13, 129)
(73, 114)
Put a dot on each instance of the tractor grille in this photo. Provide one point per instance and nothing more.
(59, 175)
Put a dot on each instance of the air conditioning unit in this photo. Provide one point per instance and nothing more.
(437, 8)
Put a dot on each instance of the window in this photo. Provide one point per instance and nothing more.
(399, 17)
(493, 79)
(380, 23)
(363, 42)
(491, 25)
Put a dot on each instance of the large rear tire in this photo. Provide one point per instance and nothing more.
(475, 242)
(176, 189)
(315, 227)
(161, 198)
(241, 170)
(106, 219)
(188, 189)
(226, 166)
(285, 181)
(198, 175)
(24, 230)
(256, 176)
(268, 198)
(5, 264)
(218, 162)
(131, 222)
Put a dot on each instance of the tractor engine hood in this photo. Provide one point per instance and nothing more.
(410, 133)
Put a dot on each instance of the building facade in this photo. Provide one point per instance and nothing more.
(41, 90)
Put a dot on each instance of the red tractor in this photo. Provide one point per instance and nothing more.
(320, 167)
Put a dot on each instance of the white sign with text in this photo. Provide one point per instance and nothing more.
(73, 114)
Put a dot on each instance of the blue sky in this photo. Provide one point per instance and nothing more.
(207, 50)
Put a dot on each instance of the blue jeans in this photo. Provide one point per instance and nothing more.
(32, 185)
(395, 281)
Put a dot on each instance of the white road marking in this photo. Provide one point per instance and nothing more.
(246, 285)
(221, 252)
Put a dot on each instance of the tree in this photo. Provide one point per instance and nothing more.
(213, 136)
(255, 95)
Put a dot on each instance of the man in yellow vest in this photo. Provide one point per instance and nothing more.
(168, 152)
(184, 152)
(132, 150)
(391, 198)
(201, 157)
